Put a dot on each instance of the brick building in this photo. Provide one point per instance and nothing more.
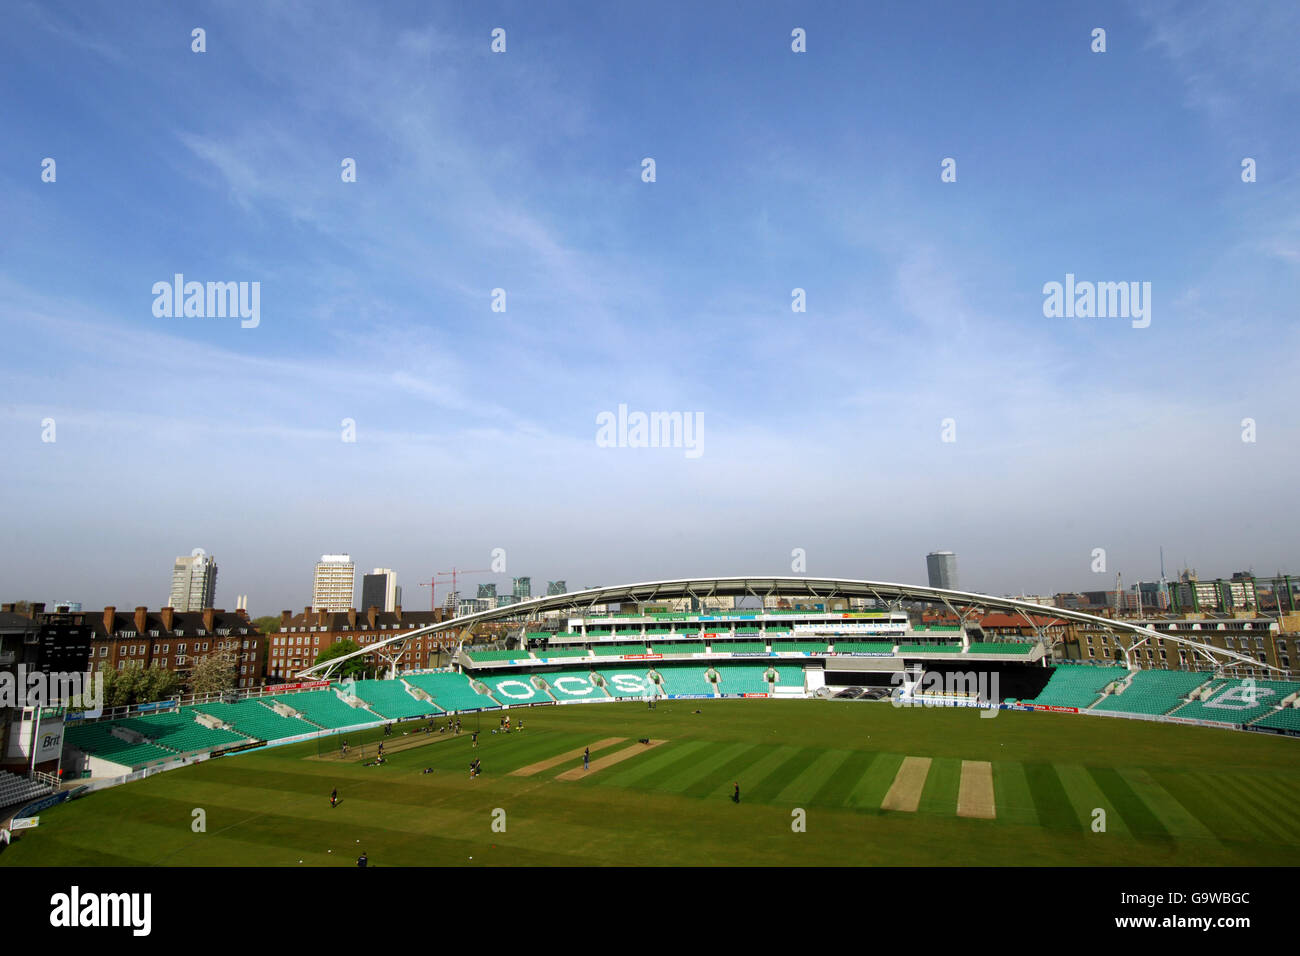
(63, 640)
(304, 636)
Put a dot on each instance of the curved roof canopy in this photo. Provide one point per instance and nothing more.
(799, 588)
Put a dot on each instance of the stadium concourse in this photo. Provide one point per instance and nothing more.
(755, 654)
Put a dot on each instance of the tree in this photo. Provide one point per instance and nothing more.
(353, 668)
(159, 683)
(213, 674)
(267, 625)
(138, 685)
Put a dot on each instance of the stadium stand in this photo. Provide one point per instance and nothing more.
(1288, 718)
(178, 730)
(679, 647)
(626, 683)
(810, 647)
(252, 719)
(742, 678)
(450, 691)
(513, 693)
(1231, 701)
(616, 650)
(1077, 685)
(97, 740)
(323, 708)
(929, 648)
(999, 647)
(739, 647)
(685, 679)
(481, 657)
(572, 685)
(391, 700)
(789, 675)
(548, 652)
(1152, 692)
(15, 789)
(864, 647)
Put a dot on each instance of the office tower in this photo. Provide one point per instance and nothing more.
(487, 591)
(333, 582)
(523, 588)
(556, 587)
(379, 589)
(941, 566)
(194, 582)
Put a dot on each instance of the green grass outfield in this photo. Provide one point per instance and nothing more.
(1173, 795)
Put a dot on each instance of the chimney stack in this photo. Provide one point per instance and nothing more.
(209, 618)
(352, 617)
(168, 615)
(109, 613)
(398, 611)
(370, 616)
(285, 618)
(141, 620)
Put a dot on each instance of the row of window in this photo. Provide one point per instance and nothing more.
(358, 627)
(1228, 642)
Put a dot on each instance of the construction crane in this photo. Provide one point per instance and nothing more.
(432, 583)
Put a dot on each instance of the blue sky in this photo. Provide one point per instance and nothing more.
(476, 429)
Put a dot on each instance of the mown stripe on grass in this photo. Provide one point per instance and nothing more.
(1201, 794)
(719, 755)
(1142, 822)
(1051, 802)
(509, 753)
(835, 792)
(777, 779)
(1176, 818)
(1254, 821)
(875, 782)
(941, 786)
(759, 769)
(551, 759)
(1279, 791)
(805, 786)
(711, 778)
(689, 755)
(1264, 813)
(1086, 797)
(1011, 793)
(643, 769)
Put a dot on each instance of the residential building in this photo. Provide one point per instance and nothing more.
(333, 583)
(194, 582)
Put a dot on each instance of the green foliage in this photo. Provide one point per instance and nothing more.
(354, 668)
(214, 674)
(139, 685)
